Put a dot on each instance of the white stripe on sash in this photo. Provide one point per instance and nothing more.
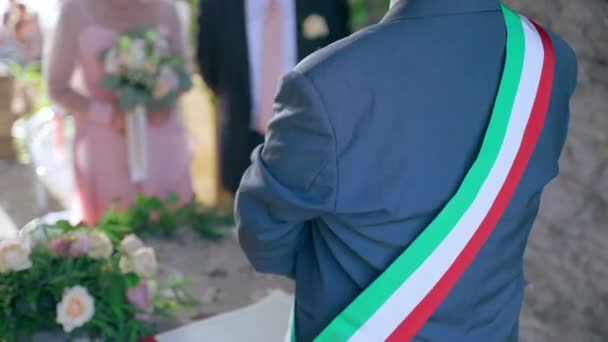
(410, 294)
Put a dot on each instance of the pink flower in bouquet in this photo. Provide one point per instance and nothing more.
(80, 245)
(59, 245)
(167, 82)
(139, 296)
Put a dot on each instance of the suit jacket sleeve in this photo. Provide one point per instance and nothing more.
(292, 179)
(207, 44)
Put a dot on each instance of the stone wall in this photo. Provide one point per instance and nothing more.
(566, 261)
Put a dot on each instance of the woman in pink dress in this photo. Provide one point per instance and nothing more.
(86, 28)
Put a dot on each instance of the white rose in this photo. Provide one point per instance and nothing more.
(144, 262)
(138, 53)
(101, 246)
(125, 264)
(14, 255)
(76, 308)
(130, 244)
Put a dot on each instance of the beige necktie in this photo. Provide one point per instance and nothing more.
(272, 63)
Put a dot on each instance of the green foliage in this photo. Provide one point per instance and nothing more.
(194, 6)
(28, 299)
(31, 74)
(150, 216)
(367, 12)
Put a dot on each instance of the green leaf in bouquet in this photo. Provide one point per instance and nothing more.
(124, 42)
(150, 35)
(164, 102)
(128, 98)
(155, 60)
(110, 81)
(173, 61)
(63, 226)
(116, 295)
(185, 82)
(132, 280)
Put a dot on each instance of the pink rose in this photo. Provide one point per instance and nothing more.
(59, 246)
(139, 297)
(81, 244)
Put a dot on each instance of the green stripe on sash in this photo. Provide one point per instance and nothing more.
(372, 298)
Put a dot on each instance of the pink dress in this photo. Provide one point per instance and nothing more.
(100, 154)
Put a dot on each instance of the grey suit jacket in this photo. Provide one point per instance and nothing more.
(371, 137)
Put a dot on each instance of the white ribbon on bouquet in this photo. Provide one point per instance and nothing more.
(137, 143)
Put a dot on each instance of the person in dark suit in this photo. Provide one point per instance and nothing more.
(244, 46)
(372, 136)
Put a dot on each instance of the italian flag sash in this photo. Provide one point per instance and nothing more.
(398, 304)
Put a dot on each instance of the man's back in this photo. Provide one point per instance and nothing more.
(408, 102)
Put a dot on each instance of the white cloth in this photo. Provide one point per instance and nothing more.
(137, 143)
(255, 14)
(265, 321)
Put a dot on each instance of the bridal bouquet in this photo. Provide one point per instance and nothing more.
(80, 282)
(141, 71)
(145, 77)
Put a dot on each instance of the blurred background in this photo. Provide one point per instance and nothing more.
(566, 261)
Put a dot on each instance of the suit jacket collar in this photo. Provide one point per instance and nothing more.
(409, 9)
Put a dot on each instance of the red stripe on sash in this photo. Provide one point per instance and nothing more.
(408, 328)
(148, 339)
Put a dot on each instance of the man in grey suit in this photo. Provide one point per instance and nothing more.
(371, 137)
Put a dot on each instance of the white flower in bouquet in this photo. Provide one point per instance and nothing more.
(161, 43)
(112, 62)
(14, 255)
(101, 246)
(76, 308)
(137, 54)
(167, 82)
(125, 264)
(144, 262)
(42, 235)
(130, 244)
